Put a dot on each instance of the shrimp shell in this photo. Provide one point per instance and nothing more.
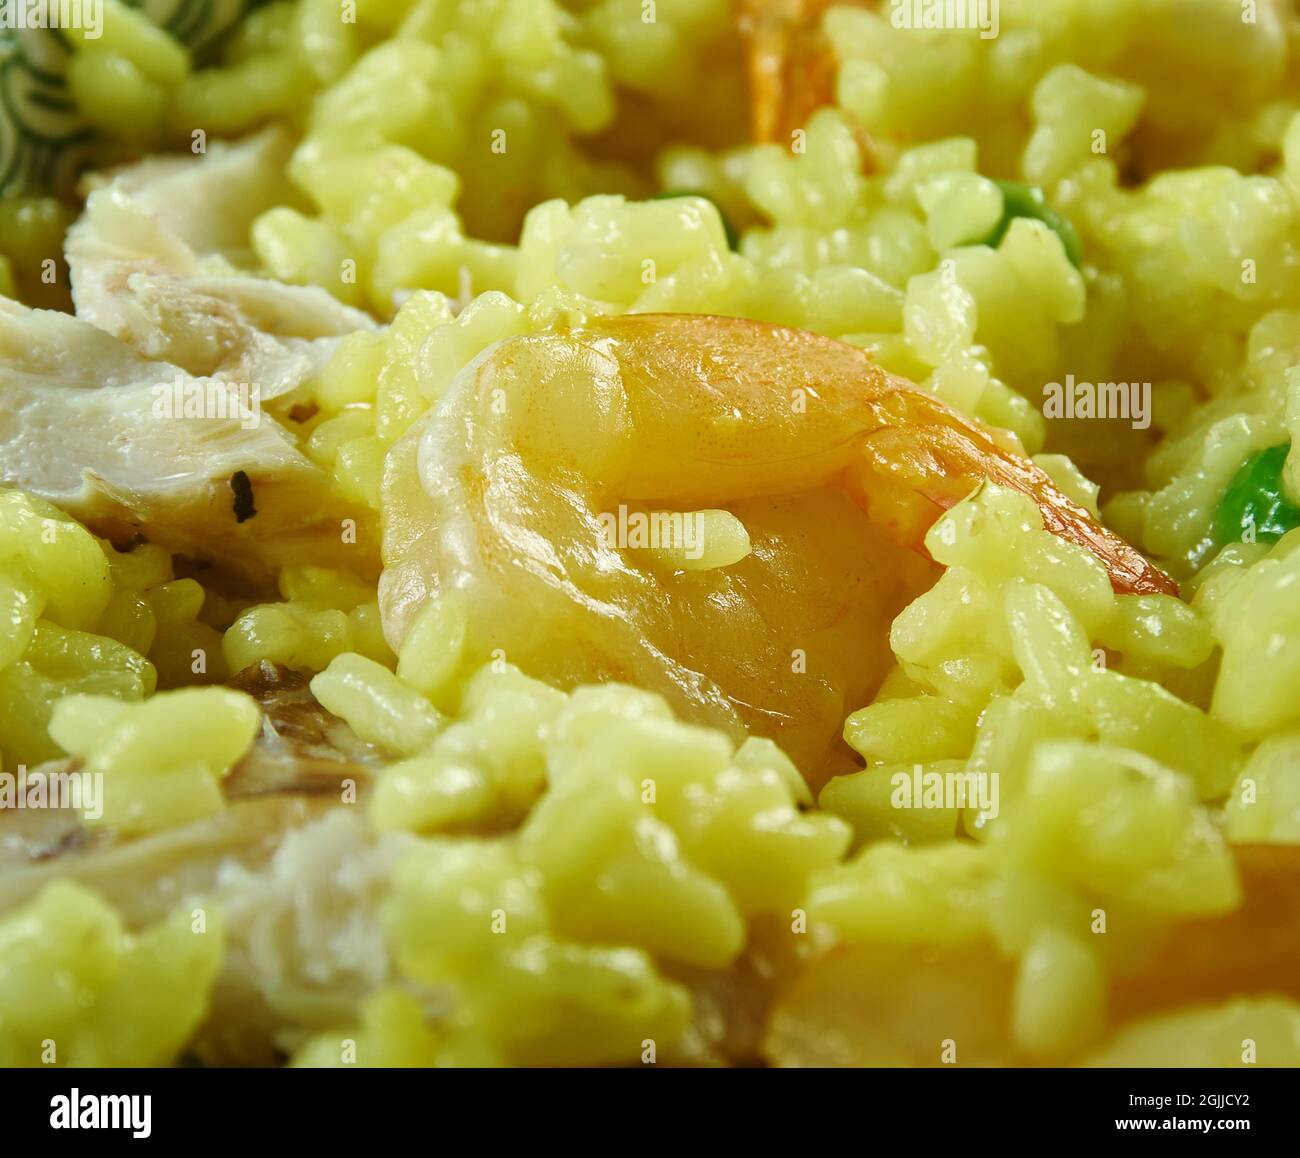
(835, 468)
(917, 455)
(791, 67)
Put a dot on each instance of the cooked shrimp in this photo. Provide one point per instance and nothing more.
(791, 67)
(884, 1004)
(507, 494)
(1254, 949)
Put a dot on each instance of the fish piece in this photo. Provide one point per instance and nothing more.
(305, 939)
(145, 877)
(291, 863)
(298, 881)
(302, 753)
(160, 259)
(139, 414)
(508, 492)
(301, 748)
(89, 425)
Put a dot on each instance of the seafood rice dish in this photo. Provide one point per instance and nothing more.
(650, 532)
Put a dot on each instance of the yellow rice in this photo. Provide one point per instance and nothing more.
(471, 171)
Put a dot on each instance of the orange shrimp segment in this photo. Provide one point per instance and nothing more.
(812, 473)
(912, 456)
(791, 67)
(886, 1005)
(926, 457)
(1255, 949)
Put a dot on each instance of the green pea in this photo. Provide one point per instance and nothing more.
(1028, 201)
(1255, 500)
(733, 238)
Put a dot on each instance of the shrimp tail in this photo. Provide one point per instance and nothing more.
(792, 69)
(902, 453)
(925, 457)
